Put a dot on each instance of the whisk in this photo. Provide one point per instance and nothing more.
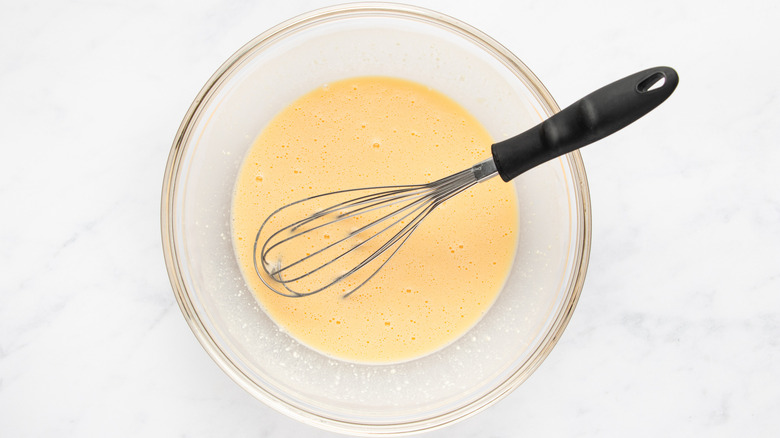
(340, 240)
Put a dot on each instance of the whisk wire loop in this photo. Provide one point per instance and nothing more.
(403, 206)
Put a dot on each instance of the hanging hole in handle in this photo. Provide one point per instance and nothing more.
(651, 83)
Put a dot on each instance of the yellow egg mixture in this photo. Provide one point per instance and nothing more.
(371, 131)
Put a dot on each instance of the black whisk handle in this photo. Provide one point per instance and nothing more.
(595, 116)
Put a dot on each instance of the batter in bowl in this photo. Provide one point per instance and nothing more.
(372, 131)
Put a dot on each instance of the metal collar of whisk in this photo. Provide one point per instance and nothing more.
(485, 170)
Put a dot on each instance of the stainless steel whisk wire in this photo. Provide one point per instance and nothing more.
(419, 199)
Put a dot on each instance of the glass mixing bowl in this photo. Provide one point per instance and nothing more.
(264, 76)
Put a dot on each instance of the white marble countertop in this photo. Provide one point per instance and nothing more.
(677, 332)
